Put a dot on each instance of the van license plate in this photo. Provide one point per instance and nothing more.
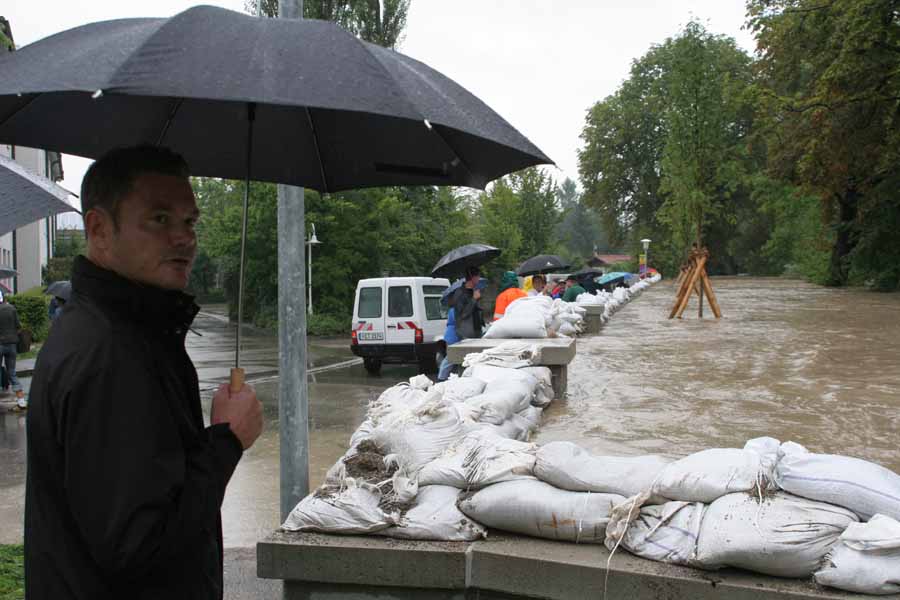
(370, 336)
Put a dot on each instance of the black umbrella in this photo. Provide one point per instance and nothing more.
(60, 289)
(299, 102)
(26, 197)
(542, 263)
(587, 273)
(455, 262)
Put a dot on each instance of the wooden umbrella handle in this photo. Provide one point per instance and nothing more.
(237, 380)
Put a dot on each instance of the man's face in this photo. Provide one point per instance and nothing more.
(538, 285)
(569, 283)
(473, 281)
(155, 242)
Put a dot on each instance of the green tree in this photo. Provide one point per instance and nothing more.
(830, 76)
(580, 230)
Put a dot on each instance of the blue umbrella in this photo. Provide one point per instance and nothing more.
(612, 277)
(445, 297)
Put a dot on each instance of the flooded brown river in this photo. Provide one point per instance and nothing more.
(788, 359)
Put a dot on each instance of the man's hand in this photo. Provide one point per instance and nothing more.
(241, 410)
(476, 294)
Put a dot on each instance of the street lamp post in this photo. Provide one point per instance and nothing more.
(646, 243)
(310, 242)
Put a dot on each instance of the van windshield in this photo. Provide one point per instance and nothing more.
(369, 303)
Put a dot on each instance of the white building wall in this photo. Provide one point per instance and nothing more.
(32, 251)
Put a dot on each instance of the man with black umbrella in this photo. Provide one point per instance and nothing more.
(469, 320)
(124, 483)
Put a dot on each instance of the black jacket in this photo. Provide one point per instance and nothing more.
(469, 321)
(124, 483)
(9, 324)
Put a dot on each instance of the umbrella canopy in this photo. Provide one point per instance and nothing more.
(587, 272)
(609, 277)
(459, 259)
(328, 111)
(7, 272)
(60, 289)
(543, 263)
(26, 197)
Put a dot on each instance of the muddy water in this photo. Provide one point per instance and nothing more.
(790, 360)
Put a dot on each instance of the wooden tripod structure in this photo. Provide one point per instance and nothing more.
(693, 279)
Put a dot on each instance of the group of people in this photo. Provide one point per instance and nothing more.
(465, 317)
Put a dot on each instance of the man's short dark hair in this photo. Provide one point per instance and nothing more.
(112, 176)
(538, 277)
(472, 272)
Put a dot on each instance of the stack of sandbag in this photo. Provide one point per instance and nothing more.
(567, 318)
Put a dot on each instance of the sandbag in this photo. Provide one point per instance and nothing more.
(662, 532)
(543, 392)
(535, 508)
(498, 405)
(479, 459)
(420, 382)
(784, 535)
(866, 558)
(862, 486)
(522, 327)
(490, 374)
(435, 516)
(511, 354)
(710, 474)
(351, 509)
(568, 466)
(458, 389)
(422, 438)
(532, 416)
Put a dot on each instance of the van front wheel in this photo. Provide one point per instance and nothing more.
(372, 365)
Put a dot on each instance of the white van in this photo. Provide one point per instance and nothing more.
(399, 320)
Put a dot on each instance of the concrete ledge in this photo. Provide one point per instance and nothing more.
(362, 560)
(593, 317)
(502, 566)
(554, 351)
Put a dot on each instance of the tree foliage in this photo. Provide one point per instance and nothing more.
(830, 76)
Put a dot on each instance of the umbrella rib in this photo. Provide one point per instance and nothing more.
(165, 130)
(315, 137)
(434, 129)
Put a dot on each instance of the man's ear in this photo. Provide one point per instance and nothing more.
(98, 228)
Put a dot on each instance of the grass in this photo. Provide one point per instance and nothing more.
(12, 572)
(35, 348)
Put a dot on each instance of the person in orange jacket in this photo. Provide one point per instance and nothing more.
(509, 293)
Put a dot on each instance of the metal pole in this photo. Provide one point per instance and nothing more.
(293, 397)
(309, 282)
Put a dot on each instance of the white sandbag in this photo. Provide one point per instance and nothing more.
(511, 354)
(535, 508)
(864, 487)
(568, 466)
(568, 330)
(490, 374)
(421, 439)
(458, 389)
(353, 509)
(866, 558)
(479, 459)
(435, 516)
(529, 306)
(500, 404)
(543, 393)
(532, 416)
(420, 382)
(522, 327)
(710, 474)
(662, 532)
(784, 535)
(514, 428)
(394, 401)
(767, 448)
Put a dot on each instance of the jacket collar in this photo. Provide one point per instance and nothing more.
(168, 311)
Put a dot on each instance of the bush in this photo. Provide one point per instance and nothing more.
(325, 324)
(32, 309)
(12, 572)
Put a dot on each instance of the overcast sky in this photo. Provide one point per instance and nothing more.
(539, 63)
